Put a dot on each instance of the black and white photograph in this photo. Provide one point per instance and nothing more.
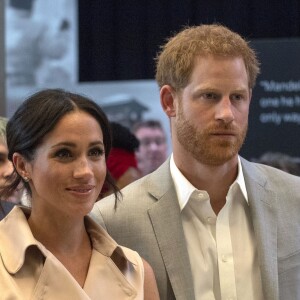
(40, 46)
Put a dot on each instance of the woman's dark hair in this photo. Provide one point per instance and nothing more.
(38, 115)
(123, 138)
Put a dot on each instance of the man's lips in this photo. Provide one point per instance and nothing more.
(224, 133)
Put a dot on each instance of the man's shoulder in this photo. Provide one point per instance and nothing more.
(130, 209)
(269, 176)
(139, 195)
(133, 195)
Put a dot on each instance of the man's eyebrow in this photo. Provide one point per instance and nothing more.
(241, 90)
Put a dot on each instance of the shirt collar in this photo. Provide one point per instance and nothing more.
(240, 180)
(184, 188)
(16, 237)
(103, 242)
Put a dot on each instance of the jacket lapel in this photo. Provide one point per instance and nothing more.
(263, 211)
(167, 225)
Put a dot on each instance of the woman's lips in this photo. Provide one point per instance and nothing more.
(81, 189)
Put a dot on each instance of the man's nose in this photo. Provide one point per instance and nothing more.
(224, 110)
(153, 145)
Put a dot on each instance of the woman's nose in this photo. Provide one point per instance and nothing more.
(83, 169)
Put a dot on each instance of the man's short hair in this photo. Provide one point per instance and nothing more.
(147, 124)
(175, 62)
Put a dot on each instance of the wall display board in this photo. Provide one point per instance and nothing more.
(274, 120)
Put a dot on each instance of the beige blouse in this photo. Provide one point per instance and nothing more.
(29, 271)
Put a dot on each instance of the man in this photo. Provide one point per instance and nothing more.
(152, 151)
(211, 224)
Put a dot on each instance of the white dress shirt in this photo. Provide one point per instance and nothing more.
(221, 248)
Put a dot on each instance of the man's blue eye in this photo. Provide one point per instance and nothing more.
(210, 96)
(237, 97)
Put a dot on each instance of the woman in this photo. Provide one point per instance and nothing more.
(58, 142)
(6, 169)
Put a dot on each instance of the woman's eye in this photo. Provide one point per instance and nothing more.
(96, 152)
(63, 154)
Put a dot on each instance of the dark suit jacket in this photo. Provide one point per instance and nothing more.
(148, 221)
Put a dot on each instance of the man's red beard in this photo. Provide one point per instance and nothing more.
(207, 148)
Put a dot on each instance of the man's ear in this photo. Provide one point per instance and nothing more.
(168, 101)
(21, 165)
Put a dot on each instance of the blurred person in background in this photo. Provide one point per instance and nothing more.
(6, 167)
(121, 162)
(280, 161)
(153, 148)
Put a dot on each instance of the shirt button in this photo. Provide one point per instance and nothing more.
(200, 196)
(129, 292)
(224, 258)
(209, 220)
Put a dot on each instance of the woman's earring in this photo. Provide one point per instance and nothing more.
(26, 179)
